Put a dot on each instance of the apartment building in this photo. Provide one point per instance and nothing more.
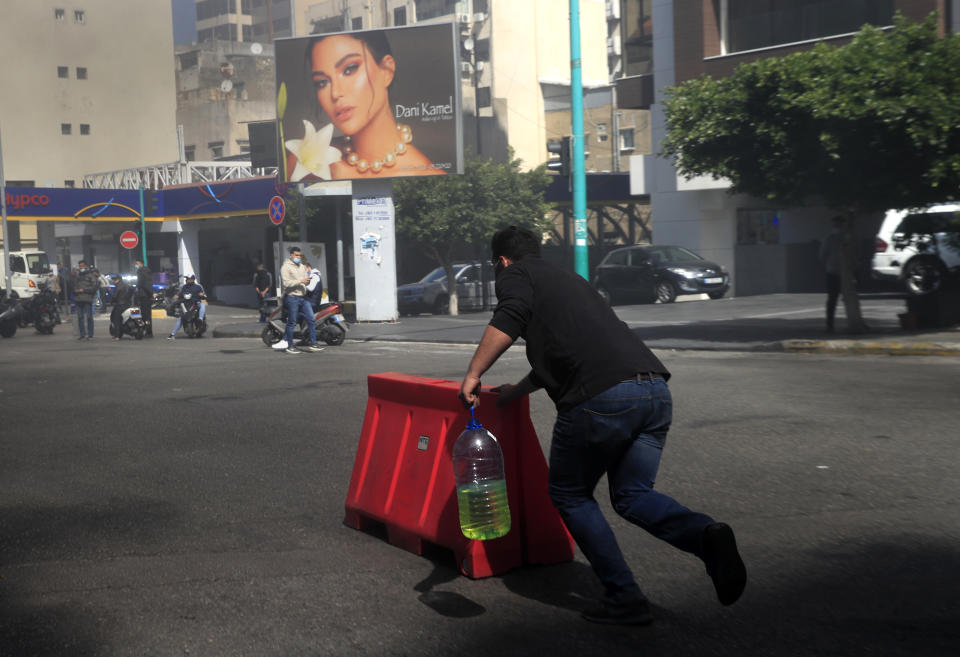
(767, 248)
(92, 90)
(221, 87)
(88, 86)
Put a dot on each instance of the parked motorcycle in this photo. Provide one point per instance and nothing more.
(40, 310)
(166, 296)
(188, 310)
(330, 325)
(10, 311)
(131, 323)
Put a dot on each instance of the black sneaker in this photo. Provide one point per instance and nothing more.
(724, 564)
(292, 350)
(636, 612)
(171, 337)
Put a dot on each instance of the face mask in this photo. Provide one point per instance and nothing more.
(296, 261)
(82, 269)
(137, 267)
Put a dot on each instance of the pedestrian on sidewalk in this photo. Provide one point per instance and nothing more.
(262, 283)
(145, 295)
(86, 284)
(613, 413)
(831, 254)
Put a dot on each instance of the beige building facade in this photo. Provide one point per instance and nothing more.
(221, 87)
(88, 86)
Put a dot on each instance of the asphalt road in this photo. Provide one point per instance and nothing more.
(186, 498)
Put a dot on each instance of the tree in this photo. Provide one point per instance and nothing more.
(442, 214)
(868, 126)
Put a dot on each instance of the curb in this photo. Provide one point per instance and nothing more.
(880, 348)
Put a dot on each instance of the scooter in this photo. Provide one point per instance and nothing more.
(41, 311)
(189, 311)
(331, 326)
(10, 311)
(131, 323)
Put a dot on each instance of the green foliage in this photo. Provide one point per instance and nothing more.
(871, 125)
(441, 214)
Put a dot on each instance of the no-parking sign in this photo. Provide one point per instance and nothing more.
(277, 209)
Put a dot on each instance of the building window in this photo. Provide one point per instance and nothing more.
(357, 23)
(602, 132)
(753, 24)
(59, 14)
(68, 183)
(638, 37)
(65, 128)
(188, 60)
(626, 139)
(84, 128)
(190, 153)
(400, 16)
(245, 7)
(79, 16)
(243, 145)
(216, 149)
(247, 31)
(427, 9)
(81, 73)
(63, 71)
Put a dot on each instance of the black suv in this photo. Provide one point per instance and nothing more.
(646, 274)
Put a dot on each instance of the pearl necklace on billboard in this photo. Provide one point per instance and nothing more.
(388, 160)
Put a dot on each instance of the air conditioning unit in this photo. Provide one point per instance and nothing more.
(463, 19)
(613, 46)
(465, 68)
(479, 17)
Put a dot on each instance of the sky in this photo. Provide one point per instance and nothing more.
(184, 21)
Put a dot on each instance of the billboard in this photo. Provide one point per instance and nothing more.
(369, 104)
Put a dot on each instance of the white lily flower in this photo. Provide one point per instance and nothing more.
(314, 153)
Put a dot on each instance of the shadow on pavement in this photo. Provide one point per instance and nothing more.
(60, 534)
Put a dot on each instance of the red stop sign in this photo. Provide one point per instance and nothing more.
(129, 239)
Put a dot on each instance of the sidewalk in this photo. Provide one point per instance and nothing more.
(729, 325)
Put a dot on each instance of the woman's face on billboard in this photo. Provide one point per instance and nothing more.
(351, 86)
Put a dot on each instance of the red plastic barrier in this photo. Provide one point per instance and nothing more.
(403, 475)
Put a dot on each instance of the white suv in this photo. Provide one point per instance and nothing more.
(919, 247)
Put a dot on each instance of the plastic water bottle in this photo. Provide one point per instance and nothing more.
(481, 485)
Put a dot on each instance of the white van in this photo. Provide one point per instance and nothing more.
(28, 270)
(919, 247)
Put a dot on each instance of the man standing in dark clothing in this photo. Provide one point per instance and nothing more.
(613, 413)
(145, 296)
(262, 282)
(86, 284)
(122, 299)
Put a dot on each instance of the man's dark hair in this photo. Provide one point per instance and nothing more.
(293, 249)
(514, 243)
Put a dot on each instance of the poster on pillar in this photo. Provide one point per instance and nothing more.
(314, 254)
(374, 251)
(370, 104)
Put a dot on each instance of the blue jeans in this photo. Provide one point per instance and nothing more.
(620, 432)
(85, 310)
(295, 307)
(201, 313)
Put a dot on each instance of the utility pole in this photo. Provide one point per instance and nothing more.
(580, 260)
(6, 235)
